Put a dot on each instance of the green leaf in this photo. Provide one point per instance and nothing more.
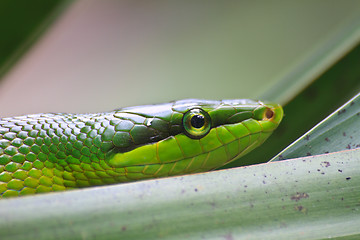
(339, 131)
(314, 197)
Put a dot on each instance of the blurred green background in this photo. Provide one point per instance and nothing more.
(90, 56)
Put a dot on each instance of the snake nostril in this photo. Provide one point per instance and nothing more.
(269, 113)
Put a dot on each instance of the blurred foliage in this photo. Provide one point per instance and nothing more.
(21, 21)
(340, 131)
(322, 97)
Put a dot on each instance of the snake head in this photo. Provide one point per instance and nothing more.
(200, 135)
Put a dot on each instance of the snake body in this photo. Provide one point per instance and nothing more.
(54, 152)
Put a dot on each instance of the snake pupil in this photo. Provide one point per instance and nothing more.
(197, 121)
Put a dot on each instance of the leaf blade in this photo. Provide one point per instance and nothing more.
(274, 200)
(339, 131)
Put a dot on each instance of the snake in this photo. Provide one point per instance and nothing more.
(59, 151)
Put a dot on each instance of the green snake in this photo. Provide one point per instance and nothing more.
(54, 152)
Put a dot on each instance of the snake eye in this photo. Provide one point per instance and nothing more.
(196, 123)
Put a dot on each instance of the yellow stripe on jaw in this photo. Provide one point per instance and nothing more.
(143, 155)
